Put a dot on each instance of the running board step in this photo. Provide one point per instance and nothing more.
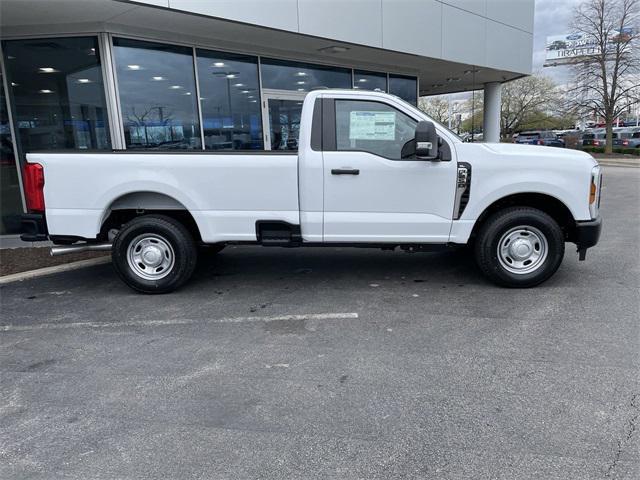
(278, 234)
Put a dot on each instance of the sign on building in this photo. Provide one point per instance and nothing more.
(577, 47)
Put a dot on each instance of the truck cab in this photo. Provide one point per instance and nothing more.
(370, 170)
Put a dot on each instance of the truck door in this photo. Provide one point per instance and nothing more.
(372, 194)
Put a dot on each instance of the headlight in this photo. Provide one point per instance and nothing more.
(594, 191)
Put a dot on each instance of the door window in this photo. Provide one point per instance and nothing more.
(372, 127)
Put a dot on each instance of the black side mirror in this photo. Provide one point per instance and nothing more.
(426, 141)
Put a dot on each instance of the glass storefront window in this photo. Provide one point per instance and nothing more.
(157, 88)
(363, 80)
(57, 93)
(302, 77)
(230, 101)
(10, 196)
(404, 87)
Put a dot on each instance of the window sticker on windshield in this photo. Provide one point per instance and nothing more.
(372, 125)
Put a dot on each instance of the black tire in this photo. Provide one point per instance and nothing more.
(172, 241)
(495, 266)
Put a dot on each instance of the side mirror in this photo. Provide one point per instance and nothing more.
(426, 141)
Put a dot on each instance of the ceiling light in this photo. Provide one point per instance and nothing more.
(218, 64)
(92, 51)
(238, 84)
(301, 82)
(362, 80)
(333, 49)
(45, 91)
(14, 84)
(301, 90)
(158, 79)
(47, 70)
(254, 101)
(231, 75)
(84, 80)
(250, 96)
(134, 67)
(187, 93)
(300, 74)
(244, 91)
(453, 79)
(175, 87)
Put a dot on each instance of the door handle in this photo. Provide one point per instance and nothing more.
(345, 171)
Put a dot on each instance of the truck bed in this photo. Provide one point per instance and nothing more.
(226, 193)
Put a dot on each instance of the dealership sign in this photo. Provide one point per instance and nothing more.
(577, 47)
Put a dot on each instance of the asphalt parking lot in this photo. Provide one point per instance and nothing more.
(331, 363)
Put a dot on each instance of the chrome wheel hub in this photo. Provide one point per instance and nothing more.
(150, 256)
(522, 249)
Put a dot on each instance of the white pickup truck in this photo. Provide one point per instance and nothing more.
(371, 170)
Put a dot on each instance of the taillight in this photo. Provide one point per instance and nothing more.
(34, 187)
(596, 143)
(625, 143)
(540, 142)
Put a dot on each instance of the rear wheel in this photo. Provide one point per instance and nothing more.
(154, 254)
(519, 247)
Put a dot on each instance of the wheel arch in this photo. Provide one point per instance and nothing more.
(134, 204)
(549, 204)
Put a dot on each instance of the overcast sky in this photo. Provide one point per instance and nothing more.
(552, 18)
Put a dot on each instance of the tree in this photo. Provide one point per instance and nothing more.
(436, 107)
(606, 82)
(524, 99)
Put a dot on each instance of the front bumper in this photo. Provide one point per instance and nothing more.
(587, 235)
(34, 228)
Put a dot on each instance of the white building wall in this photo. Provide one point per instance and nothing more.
(491, 33)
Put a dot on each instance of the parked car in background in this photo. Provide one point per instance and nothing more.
(598, 137)
(594, 138)
(628, 138)
(540, 137)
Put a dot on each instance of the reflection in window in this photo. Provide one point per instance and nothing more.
(10, 197)
(302, 77)
(230, 101)
(157, 91)
(369, 81)
(284, 123)
(372, 127)
(57, 93)
(404, 87)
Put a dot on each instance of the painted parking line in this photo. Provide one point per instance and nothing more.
(65, 267)
(181, 321)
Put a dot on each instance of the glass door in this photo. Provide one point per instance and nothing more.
(281, 114)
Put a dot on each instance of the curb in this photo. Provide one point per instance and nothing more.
(613, 163)
(65, 267)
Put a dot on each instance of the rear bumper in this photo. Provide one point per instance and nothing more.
(34, 228)
(587, 234)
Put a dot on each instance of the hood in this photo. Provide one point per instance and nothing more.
(513, 151)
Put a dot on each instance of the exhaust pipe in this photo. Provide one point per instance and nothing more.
(84, 247)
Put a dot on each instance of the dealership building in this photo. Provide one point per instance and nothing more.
(203, 75)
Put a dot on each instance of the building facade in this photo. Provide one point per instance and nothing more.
(203, 75)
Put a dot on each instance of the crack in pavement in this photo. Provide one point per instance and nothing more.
(630, 429)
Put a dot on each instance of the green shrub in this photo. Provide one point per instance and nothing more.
(623, 151)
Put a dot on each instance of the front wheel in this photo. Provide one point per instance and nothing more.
(154, 254)
(519, 247)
